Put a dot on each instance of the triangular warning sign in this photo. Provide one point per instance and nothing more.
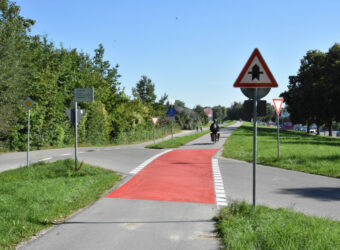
(154, 120)
(278, 104)
(255, 74)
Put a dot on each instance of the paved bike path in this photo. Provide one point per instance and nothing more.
(117, 223)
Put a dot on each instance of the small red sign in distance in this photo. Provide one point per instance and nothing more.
(278, 104)
(154, 120)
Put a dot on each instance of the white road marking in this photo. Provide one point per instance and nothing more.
(141, 166)
(46, 159)
(218, 183)
(66, 154)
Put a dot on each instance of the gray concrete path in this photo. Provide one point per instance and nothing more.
(307, 193)
(135, 224)
(205, 142)
(142, 224)
(89, 154)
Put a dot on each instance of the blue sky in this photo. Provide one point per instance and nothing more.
(192, 50)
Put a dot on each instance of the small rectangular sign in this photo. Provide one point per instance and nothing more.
(84, 95)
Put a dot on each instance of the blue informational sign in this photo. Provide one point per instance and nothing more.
(171, 111)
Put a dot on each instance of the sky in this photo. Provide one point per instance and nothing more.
(192, 50)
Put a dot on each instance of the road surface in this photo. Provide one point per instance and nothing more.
(155, 217)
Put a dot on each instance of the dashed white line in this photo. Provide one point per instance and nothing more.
(46, 159)
(141, 166)
(66, 154)
(218, 183)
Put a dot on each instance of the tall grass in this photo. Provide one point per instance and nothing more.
(298, 151)
(140, 135)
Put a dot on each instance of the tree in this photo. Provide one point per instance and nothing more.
(145, 90)
(202, 116)
(235, 112)
(306, 92)
(270, 114)
(219, 113)
(14, 64)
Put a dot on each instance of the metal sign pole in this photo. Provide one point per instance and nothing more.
(75, 132)
(278, 135)
(28, 137)
(254, 147)
(172, 132)
(154, 135)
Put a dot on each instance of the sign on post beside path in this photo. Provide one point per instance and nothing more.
(84, 95)
(278, 104)
(255, 74)
(171, 111)
(28, 104)
(154, 120)
(80, 95)
(255, 81)
(71, 115)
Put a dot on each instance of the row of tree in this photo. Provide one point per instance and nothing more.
(236, 111)
(33, 66)
(313, 94)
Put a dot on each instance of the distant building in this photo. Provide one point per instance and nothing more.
(209, 113)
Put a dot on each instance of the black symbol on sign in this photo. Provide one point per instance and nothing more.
(255, 73)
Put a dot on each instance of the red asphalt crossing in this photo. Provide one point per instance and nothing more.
(179, 175)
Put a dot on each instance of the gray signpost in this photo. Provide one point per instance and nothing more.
(28, 104)
(80, 95)
(163, 122)
(278, 104)
(255, 81)
(171, 113)
(154, 121)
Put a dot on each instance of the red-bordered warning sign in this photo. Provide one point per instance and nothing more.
(278, 104)
(255, 74)
(154, 120)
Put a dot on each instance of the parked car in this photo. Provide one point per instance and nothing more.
(337, 133)
(312, 131)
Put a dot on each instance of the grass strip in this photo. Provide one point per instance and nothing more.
(239, 227)
(179, 141)
(298, 150)
(31, 199)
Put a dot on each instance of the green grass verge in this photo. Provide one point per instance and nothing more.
(298, 151)
(31, 199)
(240, 228)
(180, 141)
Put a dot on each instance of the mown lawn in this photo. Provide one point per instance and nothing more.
(31, 199)
(298, 151)
(239, 227)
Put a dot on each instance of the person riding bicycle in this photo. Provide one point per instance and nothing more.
(214, 128)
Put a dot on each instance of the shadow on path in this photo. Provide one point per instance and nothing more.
(321, 193)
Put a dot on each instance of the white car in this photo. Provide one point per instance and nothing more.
(312, 131)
